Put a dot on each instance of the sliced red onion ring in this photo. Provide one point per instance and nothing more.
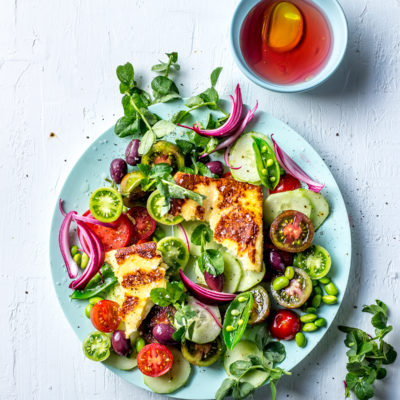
(94, 221)
(231, 123)
(207, 296)
(294, 169)
(232, 139)
(185, 236)
(63, 241)
(216, 319)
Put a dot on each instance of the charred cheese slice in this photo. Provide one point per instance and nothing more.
(233, 210)
(138, 269)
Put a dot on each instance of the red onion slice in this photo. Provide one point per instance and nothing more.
(91, 220)
(63, 241)
(231, 123)
(294, 169)
(185, 236)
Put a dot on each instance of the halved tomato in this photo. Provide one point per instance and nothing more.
(144, 225)
(114, 238)
(287, 182)
(154, 360)
(105, 316)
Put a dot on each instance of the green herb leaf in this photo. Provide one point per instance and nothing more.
(201, 234)
(179, 192)
(125, 74)
(194, 101)
(127, 126)
(245, 389)
(211, 261)
(379, 320)
(259, 334)
(225, 389)
(275, 351)
(364, 390)
(174, 293)
(215, 75)
(147, 142)
(163, 128)
(185, 146)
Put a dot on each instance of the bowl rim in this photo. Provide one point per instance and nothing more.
(241, 12)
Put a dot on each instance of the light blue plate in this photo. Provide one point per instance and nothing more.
(337, 21)
(89, 173)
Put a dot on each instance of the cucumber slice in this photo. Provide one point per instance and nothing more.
(174, 379)
(242, 155)
(232, 273)
(241, 352)
(320, 207)
(189, 227)
(291, 200)
(250, 279)
(199, 275)
(205, 328)
(122, 363)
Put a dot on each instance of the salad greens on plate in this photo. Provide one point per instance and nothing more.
(201, 248)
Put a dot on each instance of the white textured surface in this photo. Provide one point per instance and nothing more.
(57, 74)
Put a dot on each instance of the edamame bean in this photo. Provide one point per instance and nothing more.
(315, 283)
(74, 250)
(310, 327)
(329, 299)
(300, 339)
(331, 289)
(289, 273)
(316, 301)
(320, 322)
(308, 318)
(311, 310)
(280, 283)
(95, 300)
(88, 309)
(318, 290)
(85, 260)
(78, 259)
(140, 343)
(324, 280)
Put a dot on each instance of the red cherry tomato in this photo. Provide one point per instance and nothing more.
(144, 225)
(114, 238)
(285, 324)
(227, 175)
(141, 241)
(154, 360)
(286, 183)
(105, 316)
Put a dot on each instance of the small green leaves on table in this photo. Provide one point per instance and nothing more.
(236, 318)
(368, 354)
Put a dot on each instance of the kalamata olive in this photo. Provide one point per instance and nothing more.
(118, 169)
(276, 261)
(214, 282)
(132, 156)
(163, 333)
(215, 167)
(120, 344)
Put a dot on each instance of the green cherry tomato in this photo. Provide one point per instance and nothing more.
(88, 309)
(236, 319)
(96, 346)
(106, 204)
(95, 300)
(316, 261)
(154, 206)
(266, 163)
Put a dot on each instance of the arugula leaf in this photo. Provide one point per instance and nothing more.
(366, 354)
(174, 293)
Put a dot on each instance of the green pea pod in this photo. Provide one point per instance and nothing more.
(267, 165)
(97, 284)
(236, 318)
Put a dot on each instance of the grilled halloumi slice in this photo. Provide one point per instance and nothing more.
(234, 211)
(139, 269)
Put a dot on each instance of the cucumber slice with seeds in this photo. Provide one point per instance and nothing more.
(242, 155)
(276, 203)
(174, 379)
(120, 362)
(320, 207)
